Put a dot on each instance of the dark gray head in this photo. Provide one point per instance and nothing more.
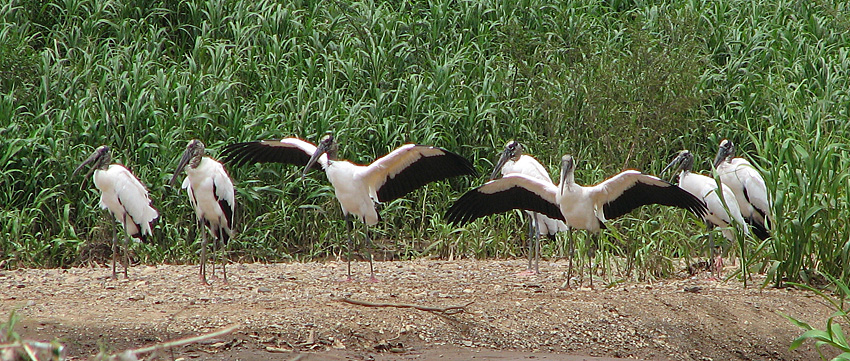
(568, 169)
(326, 146)
(513, 150)
(100, 159)
(684, 159)
(725, 152)
(195, 150)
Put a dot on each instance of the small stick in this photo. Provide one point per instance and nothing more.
(179, 342)
(446, 310)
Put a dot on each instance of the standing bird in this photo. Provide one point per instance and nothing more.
(211, 194)
(358, 188)
(748, 185)
(705, 188)
(579, 206)
(124, 196)
(513, 161)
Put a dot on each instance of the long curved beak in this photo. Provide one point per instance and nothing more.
(721, 156)
(321, 149)
(675, 162)
(567, 168)
(501, 163)
(184, 160)
(88, 160)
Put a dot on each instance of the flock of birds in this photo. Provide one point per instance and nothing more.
(737, 198)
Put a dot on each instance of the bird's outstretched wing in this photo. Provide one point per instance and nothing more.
(514, 191)
(286, 151)
(631, 189)
(412, 166)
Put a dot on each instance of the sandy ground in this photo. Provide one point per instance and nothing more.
(292, 311)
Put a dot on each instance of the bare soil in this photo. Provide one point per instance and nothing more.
(294, 310)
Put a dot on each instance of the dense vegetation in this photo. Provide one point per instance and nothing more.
(619, 84)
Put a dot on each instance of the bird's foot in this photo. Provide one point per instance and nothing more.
(718, 264)
(216, 279)
(373, 279)
(526, 273)
(346, 279)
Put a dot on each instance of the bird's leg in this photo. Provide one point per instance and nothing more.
(711, 263)
(582, 264)
(214, 252)
(203, 255)
(530, 242)
(570, 251)
(591, 255)
(126, 247)
(114, 248)
(529, 270)
(368, 247)
(126, 254)
(225, 257)
(349, 225)
(535, 235)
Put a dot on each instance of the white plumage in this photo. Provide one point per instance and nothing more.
(358, 188)
(748, 185)
(514, 161)
(211, 194)
(581, 207)
(705, 188)
(123, 195)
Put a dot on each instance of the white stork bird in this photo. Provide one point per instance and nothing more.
(579, 206)
(211, 194)
(358, 188)
(513, 161)
(124, 196)
(748, 185)
(705, 188)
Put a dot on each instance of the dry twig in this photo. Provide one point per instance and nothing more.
(132, 354)
(450, 310)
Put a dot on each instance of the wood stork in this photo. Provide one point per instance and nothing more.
(513, 161)
(211, 194)
(748, 185)
(705, 188)
(124, 196)
(579, 206)
(358, 188)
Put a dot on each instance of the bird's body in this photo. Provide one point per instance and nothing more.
(513, 161)
(348, 181)
(581, 207)
(358, 188)
(531, 167)
(748, 186)
(124, 196)
(211, 194)
(127, 200)
(706, 188)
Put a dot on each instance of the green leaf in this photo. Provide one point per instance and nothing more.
(797, 322)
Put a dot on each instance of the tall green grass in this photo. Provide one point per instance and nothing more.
(619, 84)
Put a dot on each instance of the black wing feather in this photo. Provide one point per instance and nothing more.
(641, 194)
(240, 154)
(475, 204)
(425, 170)
(759, 228)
